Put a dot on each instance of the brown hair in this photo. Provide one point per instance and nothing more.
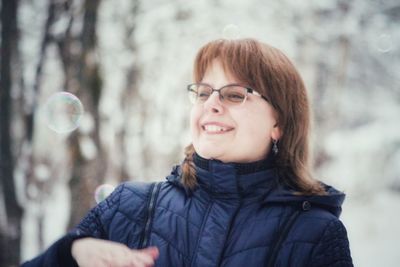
(271, 73)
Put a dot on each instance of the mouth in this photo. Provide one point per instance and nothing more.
(212, 128)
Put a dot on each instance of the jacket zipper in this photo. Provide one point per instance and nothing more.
(229, 232)
(282, 237)
(150, 211)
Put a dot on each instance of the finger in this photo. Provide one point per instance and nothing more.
(147, 257)
(152, 251)
(120, 257)
(137, 263)
(141, 259)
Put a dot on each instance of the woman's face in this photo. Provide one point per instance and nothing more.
(247, 129)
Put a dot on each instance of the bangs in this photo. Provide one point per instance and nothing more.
(239, 58)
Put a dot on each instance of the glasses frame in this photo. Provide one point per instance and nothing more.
(221, 98)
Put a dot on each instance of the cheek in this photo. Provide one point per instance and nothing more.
(254, 131)
(194, 120)
(256, 138)
(257, 127)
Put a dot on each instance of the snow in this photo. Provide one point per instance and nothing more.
(372, 223)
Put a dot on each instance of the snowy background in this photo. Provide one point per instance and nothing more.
(347, 52)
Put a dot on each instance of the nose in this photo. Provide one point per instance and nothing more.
(214, 104)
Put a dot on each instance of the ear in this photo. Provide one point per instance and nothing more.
(276, 132)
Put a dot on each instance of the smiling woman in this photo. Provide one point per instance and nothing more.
(282, 108)
(231, 131)
(244, 194)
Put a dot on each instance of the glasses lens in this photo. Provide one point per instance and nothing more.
(199, 92)
(203, 92)
(192, 95)
(234, 94)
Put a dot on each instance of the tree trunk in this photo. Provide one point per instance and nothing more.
(130, 96)
(82, 77)
(10, 227)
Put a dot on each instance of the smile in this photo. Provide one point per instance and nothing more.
(216, 129)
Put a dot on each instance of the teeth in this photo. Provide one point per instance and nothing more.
(214, 128)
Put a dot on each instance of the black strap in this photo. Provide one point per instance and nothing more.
(153, 195)
(281, 237)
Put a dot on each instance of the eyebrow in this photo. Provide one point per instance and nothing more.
(240, 84)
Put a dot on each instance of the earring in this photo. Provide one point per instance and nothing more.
(275, 149)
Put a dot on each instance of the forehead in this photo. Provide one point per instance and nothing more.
(216, 73)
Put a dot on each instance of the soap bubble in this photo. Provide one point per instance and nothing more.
(384, 43)
(102, 192)
(230, 31)
(64, 112)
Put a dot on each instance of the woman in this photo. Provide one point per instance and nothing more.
(243, 196)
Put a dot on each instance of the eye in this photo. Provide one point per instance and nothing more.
(234, 96)
(234, 93)
(203, 92)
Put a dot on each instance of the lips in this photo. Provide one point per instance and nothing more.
(216, 128)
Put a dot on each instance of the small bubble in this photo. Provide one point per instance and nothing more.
(231, 31)
(102, 192)
(384, 43)
(63, 112)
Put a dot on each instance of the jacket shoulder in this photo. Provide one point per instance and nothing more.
(310, 225)
(323, 235)
(333, 248)
(126, 201)
(133, 197)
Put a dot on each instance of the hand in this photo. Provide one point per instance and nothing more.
(89, 252)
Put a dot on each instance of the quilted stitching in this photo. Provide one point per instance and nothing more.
(333, 249)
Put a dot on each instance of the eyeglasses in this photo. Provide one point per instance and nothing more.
(233, 94)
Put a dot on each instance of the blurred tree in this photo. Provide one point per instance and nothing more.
(71, 26)
(130, 97)
(30, 117)
(10, 222)
(82, 77)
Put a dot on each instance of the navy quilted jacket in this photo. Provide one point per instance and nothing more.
(238, 216)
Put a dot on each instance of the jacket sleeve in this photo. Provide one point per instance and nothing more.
(333, 248)
(94, 224)
(57, 255)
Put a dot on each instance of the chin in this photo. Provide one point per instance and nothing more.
(218, 156)
(209, 153)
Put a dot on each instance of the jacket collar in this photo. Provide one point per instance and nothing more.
(240, 168)
(231, 180)
(256, 179)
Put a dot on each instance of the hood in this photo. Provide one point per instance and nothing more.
(331, 202)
